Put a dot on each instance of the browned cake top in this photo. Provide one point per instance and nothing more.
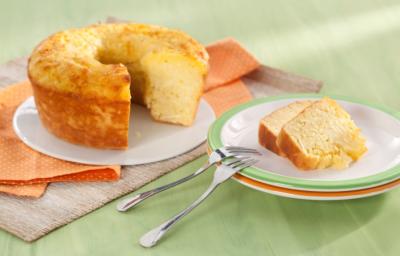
(91, 61)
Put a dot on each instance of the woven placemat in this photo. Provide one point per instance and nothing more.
(30, 219)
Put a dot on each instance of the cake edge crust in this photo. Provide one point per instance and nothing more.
(93, 122)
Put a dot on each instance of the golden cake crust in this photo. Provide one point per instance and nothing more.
(93, 122)
(94, 61)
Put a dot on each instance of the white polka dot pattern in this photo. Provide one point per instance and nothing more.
(24, 171)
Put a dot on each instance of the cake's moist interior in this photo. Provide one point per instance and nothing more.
(137, 76)
(166, 82)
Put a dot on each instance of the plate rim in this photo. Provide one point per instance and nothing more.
(214, 141)
(292, 193)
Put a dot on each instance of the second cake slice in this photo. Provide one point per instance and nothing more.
(323, 135)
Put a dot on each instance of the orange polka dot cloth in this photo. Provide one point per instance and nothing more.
(26, 172)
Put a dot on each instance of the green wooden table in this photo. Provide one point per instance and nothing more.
(353, 46)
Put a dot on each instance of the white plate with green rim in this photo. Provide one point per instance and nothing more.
(380, 126)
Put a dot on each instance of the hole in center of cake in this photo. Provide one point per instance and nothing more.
(139, 80)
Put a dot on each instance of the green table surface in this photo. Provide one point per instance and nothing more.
(353, 46)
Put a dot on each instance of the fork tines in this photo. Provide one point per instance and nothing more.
(241, 163)
(235, 149)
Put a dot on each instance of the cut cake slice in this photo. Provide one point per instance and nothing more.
(323, 135)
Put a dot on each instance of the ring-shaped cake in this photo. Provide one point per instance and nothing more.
(85, 79)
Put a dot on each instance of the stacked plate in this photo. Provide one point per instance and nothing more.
(376, 172)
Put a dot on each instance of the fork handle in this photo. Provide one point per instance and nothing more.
(151, 238)
(130, 202)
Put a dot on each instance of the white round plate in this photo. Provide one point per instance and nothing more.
(381, 128)
(149, 141)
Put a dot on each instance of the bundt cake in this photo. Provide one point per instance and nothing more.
(323, 135)
(271, 125)
(84, 79)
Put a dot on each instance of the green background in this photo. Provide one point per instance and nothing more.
(353, 46)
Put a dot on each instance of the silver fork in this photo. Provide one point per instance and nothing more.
(223, 172)
(215, 157)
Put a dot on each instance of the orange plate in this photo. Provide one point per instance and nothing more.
(302, 193)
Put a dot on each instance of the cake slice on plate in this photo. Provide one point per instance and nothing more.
(323, 135)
